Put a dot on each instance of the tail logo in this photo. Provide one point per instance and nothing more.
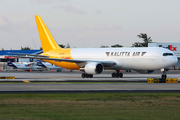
(170, 47)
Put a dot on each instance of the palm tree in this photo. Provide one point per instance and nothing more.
(145, 38)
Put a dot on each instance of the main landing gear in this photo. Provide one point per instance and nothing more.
(85, 75)
(117, 74)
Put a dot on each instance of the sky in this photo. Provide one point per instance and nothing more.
(88, 23)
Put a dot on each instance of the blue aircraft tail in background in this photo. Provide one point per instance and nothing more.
(9, 63)
(39, 63)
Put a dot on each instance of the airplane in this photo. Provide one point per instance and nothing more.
(95, 60)
(48, 66)
(24, 66)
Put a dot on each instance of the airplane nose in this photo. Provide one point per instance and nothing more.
(174, 60)
(170, 61)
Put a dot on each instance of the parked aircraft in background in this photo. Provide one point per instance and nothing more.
(96, 60)
(48, 66)
(24, 66)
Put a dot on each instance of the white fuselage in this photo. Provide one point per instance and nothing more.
(27, 66)
(128, 58)
(51, 66)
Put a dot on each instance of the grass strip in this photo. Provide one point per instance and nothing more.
(88, 106)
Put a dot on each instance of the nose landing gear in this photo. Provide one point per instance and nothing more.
(164, 76)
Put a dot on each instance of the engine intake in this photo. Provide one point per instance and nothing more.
(94, 68)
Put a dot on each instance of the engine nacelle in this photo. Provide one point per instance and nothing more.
(94, 68)
(145, 71)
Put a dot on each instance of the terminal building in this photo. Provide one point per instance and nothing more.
(4, 54)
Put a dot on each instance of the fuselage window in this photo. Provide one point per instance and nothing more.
(167, 54)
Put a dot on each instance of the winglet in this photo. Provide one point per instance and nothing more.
(47, 41)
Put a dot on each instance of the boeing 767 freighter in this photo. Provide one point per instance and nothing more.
(95, 60)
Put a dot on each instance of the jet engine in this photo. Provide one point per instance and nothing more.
(94, 68)
(145, 71)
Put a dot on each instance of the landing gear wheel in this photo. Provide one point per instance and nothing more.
(120, 75)
(117, 75)
(87, 76)
(113, 75)
(91, 76)
(83, 75)
(164, 77)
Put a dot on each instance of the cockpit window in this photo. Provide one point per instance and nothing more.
(167, 54)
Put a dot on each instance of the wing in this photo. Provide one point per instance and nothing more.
(80, 63)
(23, 54)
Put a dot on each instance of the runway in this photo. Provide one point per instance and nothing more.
(72, 88)
(69, 83)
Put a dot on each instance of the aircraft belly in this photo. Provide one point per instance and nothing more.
(66, 65)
